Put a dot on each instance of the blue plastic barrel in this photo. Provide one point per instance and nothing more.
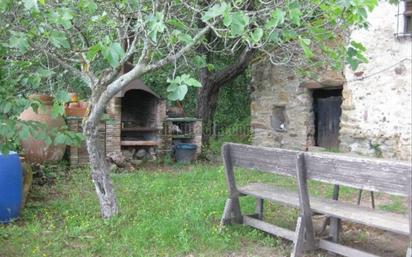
(11, 187)
(185, 153)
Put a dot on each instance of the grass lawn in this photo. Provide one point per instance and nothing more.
(163, 213)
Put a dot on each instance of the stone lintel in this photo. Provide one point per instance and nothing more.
(328, 79)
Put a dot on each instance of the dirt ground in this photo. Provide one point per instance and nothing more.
(375, 241)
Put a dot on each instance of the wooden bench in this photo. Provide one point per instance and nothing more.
(378, 175)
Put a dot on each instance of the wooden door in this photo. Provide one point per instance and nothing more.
(327, 119)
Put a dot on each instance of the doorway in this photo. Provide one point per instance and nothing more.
(327, 110)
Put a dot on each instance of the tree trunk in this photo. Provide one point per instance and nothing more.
(208, 94)
(206, 105)
(100, 171)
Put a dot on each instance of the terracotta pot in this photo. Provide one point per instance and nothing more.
(76, 109)
(45, 99)
(37, 151)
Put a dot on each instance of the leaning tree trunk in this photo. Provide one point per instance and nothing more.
(208, 94)
(206, 105)
(100, 171)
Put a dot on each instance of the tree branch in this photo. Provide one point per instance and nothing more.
(221, 77)
(129, 53)
(173, 57)
(70, 68)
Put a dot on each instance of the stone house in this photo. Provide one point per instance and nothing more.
(367, 111)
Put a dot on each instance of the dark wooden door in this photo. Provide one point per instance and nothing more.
(328, 112)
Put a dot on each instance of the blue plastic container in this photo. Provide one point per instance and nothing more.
(185, 153)
(11, 187)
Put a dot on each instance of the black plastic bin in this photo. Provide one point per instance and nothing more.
(185, 153)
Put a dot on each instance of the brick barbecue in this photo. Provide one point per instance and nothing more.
(138, 124)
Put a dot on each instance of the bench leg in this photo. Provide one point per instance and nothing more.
(334, 229)
(259, 208)
(237, 214)
(335, 223)
(359, 196)
(232, 207)
(227, 213)
(299, 238)
(409, 252)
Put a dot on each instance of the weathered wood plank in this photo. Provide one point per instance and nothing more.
(304, 202)
(298, 242)
(380, 219)
(231, 183)
(269, 228)
(259, 208)
(272, 160)
(393, 177)
(230, 176)
(370, 174)
(227, 213)
(409, 252)
(343, 250)
(410, 215)
(334, 223)
(272, 193)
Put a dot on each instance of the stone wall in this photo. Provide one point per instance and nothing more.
(376, 111)
(281, 108)
(79, 155)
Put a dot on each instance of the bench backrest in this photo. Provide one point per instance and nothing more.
(393, 177)
(272, 160)
(372, 174)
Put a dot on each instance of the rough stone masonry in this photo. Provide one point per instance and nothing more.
(376, 108)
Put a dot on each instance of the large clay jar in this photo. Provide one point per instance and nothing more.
(38, 151)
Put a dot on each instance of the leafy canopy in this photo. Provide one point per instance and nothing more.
(91, 40)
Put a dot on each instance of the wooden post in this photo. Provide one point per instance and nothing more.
(335, 223)
(227, 213)
(231, 184)
(259, 208)
(304, 203)
(299, 238)
(409, 185)
(359, 196)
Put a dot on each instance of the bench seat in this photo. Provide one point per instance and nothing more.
(380, 219)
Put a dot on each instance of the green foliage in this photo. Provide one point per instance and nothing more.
(179, 86)
(14, 88)
(238, 132)
(276, 18)
(19, 41)
(113, 53)
(238, 22)
(355, 55)
(216, 10)
(156, 25)
(87, 36)
(58, 39)
(256, 35)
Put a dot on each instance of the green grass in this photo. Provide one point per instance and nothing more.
(162, 214)
(173, 213)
